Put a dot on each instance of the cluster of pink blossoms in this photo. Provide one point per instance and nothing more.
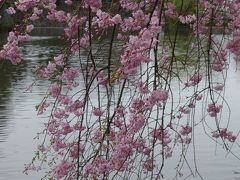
(11, 50)
(225, 134)
(119, 120)
(194, 80)
(214, 109)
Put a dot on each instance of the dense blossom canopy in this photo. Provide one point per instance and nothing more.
(121, 118)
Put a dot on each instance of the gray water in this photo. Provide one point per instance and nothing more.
(19, 123)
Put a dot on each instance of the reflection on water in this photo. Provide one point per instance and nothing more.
(9, 75)
(19, 123)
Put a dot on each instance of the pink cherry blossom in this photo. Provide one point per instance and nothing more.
(214, 109)
(62, 169)
(225, 134)
(185, 130)
(10, 10)
(97, 111)
(55, 90)
(29, 28)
